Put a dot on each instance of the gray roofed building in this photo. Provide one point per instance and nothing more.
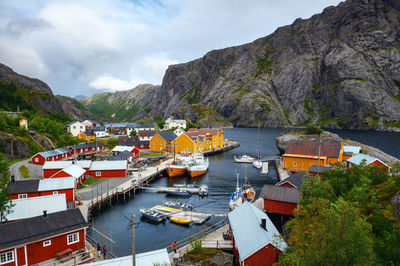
(284, 194)
(40, 227)
(24, 186)
(88, 145)
(167, 136)
(55, 152)
(295, 180)
(133, 142)
(120, 156)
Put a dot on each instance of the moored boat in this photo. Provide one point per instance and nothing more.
(241, 194)
(243, 159)
(257, 163)
(176, 170)
(198, 166)
(264, 169)
(180, 220)
(178, 193)
(178, 205)
(203, 190)
(153, 215)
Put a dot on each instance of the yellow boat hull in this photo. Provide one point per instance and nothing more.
(180, 220)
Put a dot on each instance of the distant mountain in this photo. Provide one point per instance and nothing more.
(78, 97)
(19, 91)
(340, 68)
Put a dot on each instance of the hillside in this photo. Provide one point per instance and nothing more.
(340, 68)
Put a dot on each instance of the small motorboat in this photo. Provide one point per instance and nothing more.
(203, 190)
(264, 169)
(257, 163)
(193, 185)
(178, 205)
(153, 215)
(180, 220)
(178, 193)
(243, 159)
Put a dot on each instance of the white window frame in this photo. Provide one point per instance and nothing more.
(22, 196)
(36, 160)
(46, 243)
(98, 173)
(55, 192)
(294, 163)
(7, 257)
(73, 238)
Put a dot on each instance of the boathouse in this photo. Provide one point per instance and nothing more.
(184, 143)
(293, 181)
(74, 171)
(368, 160)
(52, 155)
(162, 141)
(106, 169)
(301, 154)
(133, 150)
(256, 241)
(50, 168)
(43, 238)
(138, 144)
(43, 187)
(29, 207)
(280, 199)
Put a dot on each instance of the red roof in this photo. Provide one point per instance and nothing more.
(329, 148)
(146, 133)
(204, 131)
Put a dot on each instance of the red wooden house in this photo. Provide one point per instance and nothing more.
(50, 168)
(368, 160)
(53, 155)
(125, 155)
(87, 148)
(293, 181)
(254, 237)
(126, 138)
(72, 171)
(39, 239)
(139, 144)
(133, 150)
(280, 199)
(43, 187)
(105, 169)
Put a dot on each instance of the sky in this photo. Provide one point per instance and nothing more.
(83, 47)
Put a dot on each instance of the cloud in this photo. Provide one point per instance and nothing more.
(80, 47)
(110, 83)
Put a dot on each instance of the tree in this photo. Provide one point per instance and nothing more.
(327, 233)
(5, 203)
(313, 129)
(133, 133)
(161, 124)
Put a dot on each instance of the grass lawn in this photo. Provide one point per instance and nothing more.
(199, 254)
(24, 171)
(149, 154)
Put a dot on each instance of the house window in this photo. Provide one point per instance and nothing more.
(55, 192)
(46, 243)
(161, 143)
(98, 173)
(141, 146)
(294, 164)
(73, 238)
(6, 257)
(36, 160)
(22, 196)
(74, 127)
(86, 149)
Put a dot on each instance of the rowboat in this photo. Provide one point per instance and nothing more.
(180, 220)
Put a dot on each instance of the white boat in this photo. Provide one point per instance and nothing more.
(198, 166)
(264, 168)
(243, 159)
(203, 190)
(241, 194)
(257, 163)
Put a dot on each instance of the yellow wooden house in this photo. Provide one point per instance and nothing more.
(300, 155)
(209, 138)
(162, 141)
(87, 135)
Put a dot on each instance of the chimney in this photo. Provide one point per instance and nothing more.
(45, 213)
(264, 224)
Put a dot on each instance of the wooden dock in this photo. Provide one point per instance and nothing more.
(282, 173)
(229, 145)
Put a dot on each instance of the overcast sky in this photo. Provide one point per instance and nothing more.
(85, 47)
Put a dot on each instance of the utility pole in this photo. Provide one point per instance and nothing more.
(133, 241)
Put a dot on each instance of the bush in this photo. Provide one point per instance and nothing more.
(313, 129)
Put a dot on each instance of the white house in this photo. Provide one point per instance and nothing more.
(139, 127)
(75, 128)
(172, 123)
(89, 123)
(99, 131)
(179, 131)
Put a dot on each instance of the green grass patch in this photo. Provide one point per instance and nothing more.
(24, 171)
(264, 64)
(90, 181)
(199, 254)
(393, 124)
(265, 106)
(149, 153)
(193, 95)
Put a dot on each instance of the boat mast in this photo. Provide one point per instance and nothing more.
(259, 142)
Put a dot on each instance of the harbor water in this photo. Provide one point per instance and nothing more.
(221, 180)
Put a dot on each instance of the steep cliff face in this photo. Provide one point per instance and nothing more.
(340, 68)
(33, 94)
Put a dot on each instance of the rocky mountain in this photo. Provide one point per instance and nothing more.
(19, 91)
(340, 68)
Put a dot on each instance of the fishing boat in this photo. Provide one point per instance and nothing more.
(180, 220)
(178, 205)
(241, 194)
(178, 193)
(203, 190)
(198, 166)
(257, 161)
(236, 197)
(178, 166)
(243, 159)
(153, 215)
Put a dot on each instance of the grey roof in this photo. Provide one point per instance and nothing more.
(314, 168)
(88, 145)
(245, 223)
(115, 125)
(135, 125)
(24, 186)
(352, 149)
(108, 165)
(55, 152)
(36, 228)
(120, 156)
(284, 194)
(97, 128)
(358, 158)
(167, 136)
(51, 184)
(296, 179)
(133, 142)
